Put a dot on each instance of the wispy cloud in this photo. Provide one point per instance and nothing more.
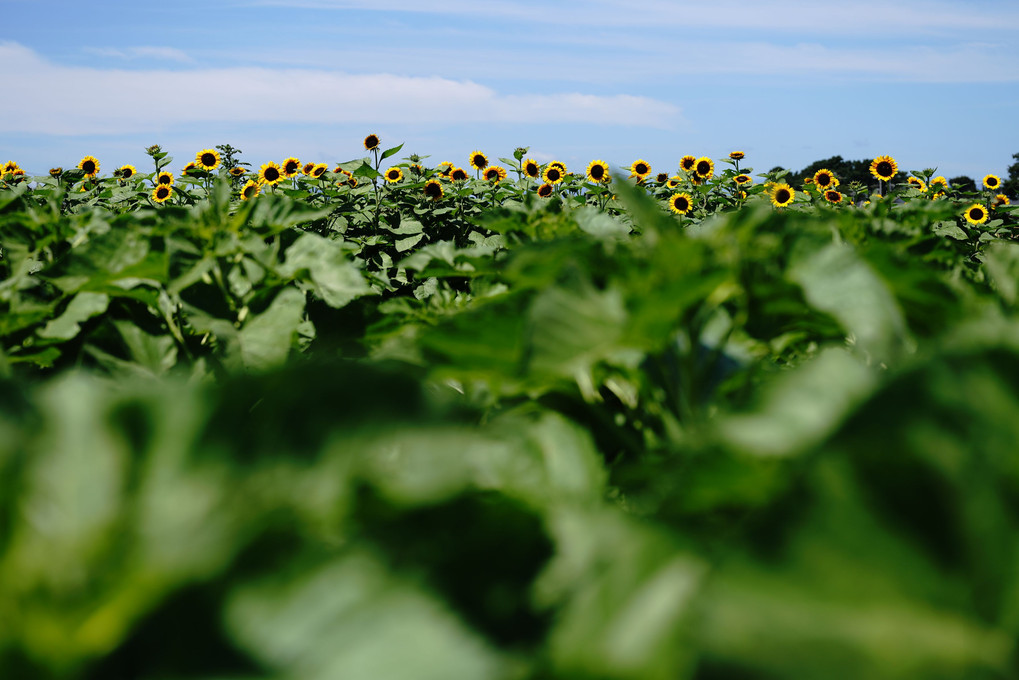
(862, 17)
(58, 99)
(151, 53)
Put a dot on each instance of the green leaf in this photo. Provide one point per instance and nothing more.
(389, 152)
(267, 339)
(81, 308)
(334, 277)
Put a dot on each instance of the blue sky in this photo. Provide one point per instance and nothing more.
(788, 82)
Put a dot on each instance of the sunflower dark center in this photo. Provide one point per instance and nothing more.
(128, 172)
(641, 169)
(597, 172)
(884, 168)
(976, 213)
(480, 161)
(163, 192)
(89, 167)
(703, 168)
(208, 159)
(371, 141)
(682, 203)
(165, 178)
(782, 195)
(272, 174)
(553, 174)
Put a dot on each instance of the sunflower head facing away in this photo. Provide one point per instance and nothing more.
(598, 171)
(290, 167)
(782, 195)
(884, 168)
(479, 161)
(704, 167)
(89, 165)
(270, 173)
(640, 169)
(545, 190)
(976, 214)
(161, 193)
(371, 142)
(433, 189)
(208, 159)
(992, 182)
(531, 168)
(394, 175)
(680, 203)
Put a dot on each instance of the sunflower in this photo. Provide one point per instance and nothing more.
(56, 172)
(560, 165)
(782, 195)
(126, 171)
(89, 165)
(433, 189)
(495, 173)
(552, 174)
(165, 178)
(188, 169)
(940, 182)
(372, 142)
(479, 161)
(270, 173)
(318, 170)
(640, 169)
(681, 203)
(1000, 201)
(884, 168)
(291, 166)
(743, 179)
(918, 183)
(992, 182)
(598, 171)
(532, 169)
(307, 168)
(736, 155)
(11, 166)
(832, 196)
(161, 193)
(417, 169)
(394, 175)
(674, 181)
(208, 159)
(250, 189)
(825, 179)
(976, 214)
(545, 190)
(445, 168)
(458, 175)
(704, 167)
(687, 163)
(237, 172)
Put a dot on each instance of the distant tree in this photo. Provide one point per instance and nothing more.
(963, 183)
(1010, 187)
(845, 171)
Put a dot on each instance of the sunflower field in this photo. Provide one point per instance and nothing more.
(389, 419)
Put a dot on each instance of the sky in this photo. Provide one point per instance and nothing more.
(788, 82)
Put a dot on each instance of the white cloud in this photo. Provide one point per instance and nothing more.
(143, 52)
(57, 99)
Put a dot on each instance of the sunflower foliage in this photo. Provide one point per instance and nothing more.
(531, 426)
